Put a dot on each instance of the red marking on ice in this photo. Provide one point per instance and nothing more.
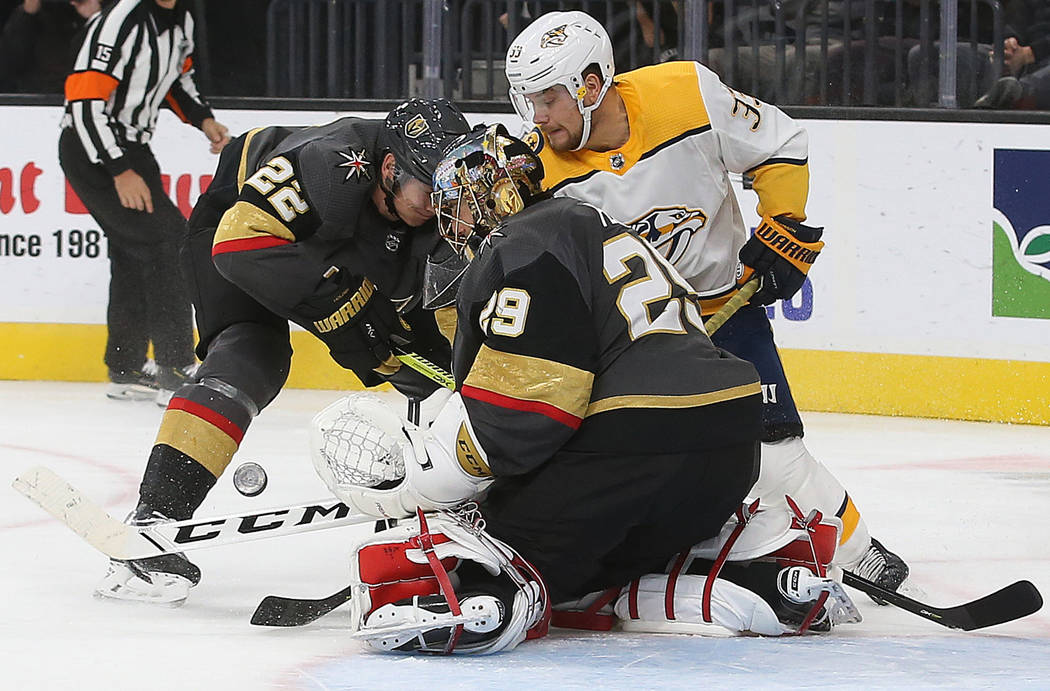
(1000, 464)
(127, 490)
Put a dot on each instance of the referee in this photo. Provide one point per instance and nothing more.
(136, 56)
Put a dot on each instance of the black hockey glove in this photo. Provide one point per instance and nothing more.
(355, 321)
(780, 252)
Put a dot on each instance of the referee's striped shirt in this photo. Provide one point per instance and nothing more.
(136, 57)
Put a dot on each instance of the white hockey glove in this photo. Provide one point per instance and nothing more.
(380, 464)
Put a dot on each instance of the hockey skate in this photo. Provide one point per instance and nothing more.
(131, 385)
(171, 379)
(163, 580)
(882, 567)
(800, 591)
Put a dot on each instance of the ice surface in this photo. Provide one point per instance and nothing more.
(966, 504)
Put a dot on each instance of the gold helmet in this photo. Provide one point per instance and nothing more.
(491, 174)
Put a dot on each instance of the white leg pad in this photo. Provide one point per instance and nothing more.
(734, 609)
(789, 468)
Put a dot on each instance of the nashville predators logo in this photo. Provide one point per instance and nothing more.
(416, 127)
(534, 140)
(670, 228)
(554, 37)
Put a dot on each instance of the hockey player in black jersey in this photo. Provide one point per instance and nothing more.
(598, 428)
(322, 226)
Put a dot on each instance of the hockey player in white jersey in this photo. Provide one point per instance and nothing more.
(654, 148)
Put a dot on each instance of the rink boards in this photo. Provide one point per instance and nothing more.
(931, 298)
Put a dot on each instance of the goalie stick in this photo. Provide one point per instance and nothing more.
(1007, 604)
(118, 540)
(289, 611)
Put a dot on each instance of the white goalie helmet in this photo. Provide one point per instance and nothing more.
(555, 50)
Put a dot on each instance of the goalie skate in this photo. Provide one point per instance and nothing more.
(425, 623)
(800, 589)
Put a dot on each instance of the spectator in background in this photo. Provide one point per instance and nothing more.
(1026, 50)
(134, 57)
(974, 73)
(35, 44)
(756, 70)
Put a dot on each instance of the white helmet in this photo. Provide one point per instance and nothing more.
(556, 49)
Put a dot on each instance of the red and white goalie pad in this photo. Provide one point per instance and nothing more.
(382, 465)
(439, 583)
(802, 546)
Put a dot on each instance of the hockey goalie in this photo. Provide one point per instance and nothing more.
(608, 445)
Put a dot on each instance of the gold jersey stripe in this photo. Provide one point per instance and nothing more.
(198, 439)
(850, 518)
(782, 188)
(690, 401)
(242, 168)
(529, 378)
(244, 221)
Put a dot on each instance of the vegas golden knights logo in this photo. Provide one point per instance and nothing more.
(416, 127)
(468, 455)
(554, 37)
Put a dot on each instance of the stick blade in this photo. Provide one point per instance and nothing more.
(1012, 602)
(284, 611)
(68, 505)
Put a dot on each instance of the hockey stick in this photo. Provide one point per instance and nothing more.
(425, 367)
(716, 320)
(289, 611)
(118, 540)
(1012, 602)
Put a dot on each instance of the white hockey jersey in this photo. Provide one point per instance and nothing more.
(670, 180)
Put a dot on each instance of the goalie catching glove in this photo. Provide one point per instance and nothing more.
(780, 252)
(379, 464)
(355, 321)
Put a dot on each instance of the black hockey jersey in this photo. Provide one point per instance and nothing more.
(576, 335)
(304, 206)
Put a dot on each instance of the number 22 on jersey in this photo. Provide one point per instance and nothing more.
(287, 201)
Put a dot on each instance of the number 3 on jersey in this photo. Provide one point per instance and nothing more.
(655, 284)
(505, 313)
(287, 201)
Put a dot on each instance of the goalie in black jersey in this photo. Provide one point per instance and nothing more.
(597, 427)
(323, 226)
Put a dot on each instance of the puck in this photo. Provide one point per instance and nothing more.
(249, 479)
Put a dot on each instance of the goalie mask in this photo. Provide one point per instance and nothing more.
(554, 51)
(485, 177)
